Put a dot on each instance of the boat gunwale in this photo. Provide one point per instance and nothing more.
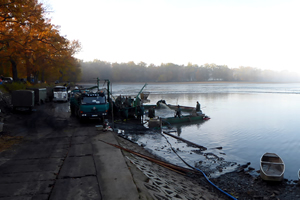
(281, 163)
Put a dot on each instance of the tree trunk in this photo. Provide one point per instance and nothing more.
(36, 76)
(43, 76)
(14, 69)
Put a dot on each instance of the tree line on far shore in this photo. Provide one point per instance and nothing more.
(170, 72)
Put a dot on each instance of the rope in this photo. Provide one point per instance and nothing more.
(199, 171)
(178, 169)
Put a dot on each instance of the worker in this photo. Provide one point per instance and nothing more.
(140, 113)
(178, 112)
(198, 107)
(151, 112)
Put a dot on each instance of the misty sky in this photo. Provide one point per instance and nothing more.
(263, 34)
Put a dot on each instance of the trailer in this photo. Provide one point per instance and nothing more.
(40, 95)
(23, 99)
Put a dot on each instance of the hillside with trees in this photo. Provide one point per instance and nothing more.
(31, 47)
(141, 72)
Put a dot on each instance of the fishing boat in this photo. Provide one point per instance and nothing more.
(163, 104)
(183, 119)
(271, 167)
(183, 108)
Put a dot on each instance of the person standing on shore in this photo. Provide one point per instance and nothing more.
(140, 113)
(151, 112)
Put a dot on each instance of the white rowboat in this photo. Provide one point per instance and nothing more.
(271, 167)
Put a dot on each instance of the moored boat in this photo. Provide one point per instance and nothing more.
(183, 119)
(183, 108)
(272, 167)
(174, 107)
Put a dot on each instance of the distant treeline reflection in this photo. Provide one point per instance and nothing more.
(169, 72)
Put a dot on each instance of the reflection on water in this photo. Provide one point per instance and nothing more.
(247, 120)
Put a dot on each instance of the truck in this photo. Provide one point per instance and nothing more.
(60, 93)
(90, 105)
(86, 103)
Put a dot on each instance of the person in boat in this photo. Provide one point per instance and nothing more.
(198, 106)
(178, 112)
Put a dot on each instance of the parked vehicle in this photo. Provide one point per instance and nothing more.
(7, 79)
(23, 99)
(23, 80)
(40, 95)
(60, 93)
(73, 98)
(90, 105)
(271, 167)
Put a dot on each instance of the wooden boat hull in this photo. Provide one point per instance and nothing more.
(272, 167)
(173, 107)
(147, 106)
(183, 108)
(182, 119)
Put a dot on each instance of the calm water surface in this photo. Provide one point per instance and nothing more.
(247, 120)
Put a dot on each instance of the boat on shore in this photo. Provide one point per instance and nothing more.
(272, 167)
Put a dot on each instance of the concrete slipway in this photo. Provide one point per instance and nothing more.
(59, 158)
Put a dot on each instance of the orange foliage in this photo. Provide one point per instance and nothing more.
(32, 45)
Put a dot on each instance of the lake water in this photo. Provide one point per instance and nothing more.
(247, 120)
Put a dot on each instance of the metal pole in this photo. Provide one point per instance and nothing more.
(112, 111)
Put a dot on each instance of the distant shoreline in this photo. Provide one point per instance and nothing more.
(200, 82)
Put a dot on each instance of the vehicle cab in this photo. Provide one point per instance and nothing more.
(92, 105)
(60, 93)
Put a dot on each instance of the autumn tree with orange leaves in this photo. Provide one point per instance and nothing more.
(31, 45)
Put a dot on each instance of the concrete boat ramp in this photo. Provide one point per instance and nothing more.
(70, 165)
(60, 158)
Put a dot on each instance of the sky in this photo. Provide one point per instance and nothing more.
(263, 34)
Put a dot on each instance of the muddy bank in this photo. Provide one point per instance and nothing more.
(244, 182)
